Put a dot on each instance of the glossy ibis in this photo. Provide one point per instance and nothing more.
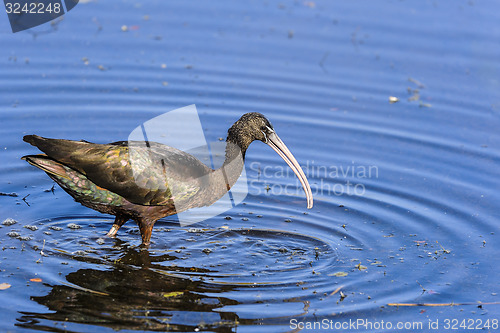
(101, 177)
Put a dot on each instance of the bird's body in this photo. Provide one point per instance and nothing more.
(147, 182)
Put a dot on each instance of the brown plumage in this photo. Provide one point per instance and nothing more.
(147, 182)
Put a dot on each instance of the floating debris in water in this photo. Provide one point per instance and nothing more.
(259, 216)
(310, 4)
(74, 226)
(31, 227)
(13, 234)
(9, 222)
(79, 253)
(124, 28)
(206, 251)
(173, 294)
(100, 241)
(393, 99)
(228, 218)
(418, 83)
(244, 219)
(4, 286)
(12, 194)
(360, 267)
(55, 228)
(288, 220)
(52, 189)
(24, 238)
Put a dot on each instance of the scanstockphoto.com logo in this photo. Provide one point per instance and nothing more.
(26, 14)
(326, 180)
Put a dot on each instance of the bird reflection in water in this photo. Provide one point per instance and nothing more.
(136, 293)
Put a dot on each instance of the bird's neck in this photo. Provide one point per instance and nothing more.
(233, 162)
(223, 178)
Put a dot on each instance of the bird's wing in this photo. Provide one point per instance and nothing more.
(147, 175)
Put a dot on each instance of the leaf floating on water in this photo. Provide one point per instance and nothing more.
(36, 280)
(173, 294)
(4, 286)
(339, 274)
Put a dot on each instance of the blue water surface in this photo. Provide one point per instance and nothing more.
(405, 223)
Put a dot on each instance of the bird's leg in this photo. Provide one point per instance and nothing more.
(119, 221)
(146, 228)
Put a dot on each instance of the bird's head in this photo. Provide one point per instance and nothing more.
(254, 126)
(250, 127)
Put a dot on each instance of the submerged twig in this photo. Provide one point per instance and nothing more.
(13, 194)
(443, 304)
(24, 199)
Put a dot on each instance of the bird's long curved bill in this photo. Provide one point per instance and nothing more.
(275, 142)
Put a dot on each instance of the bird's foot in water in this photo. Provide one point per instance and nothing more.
(119, 221)
(146, 228)
(112, 232)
